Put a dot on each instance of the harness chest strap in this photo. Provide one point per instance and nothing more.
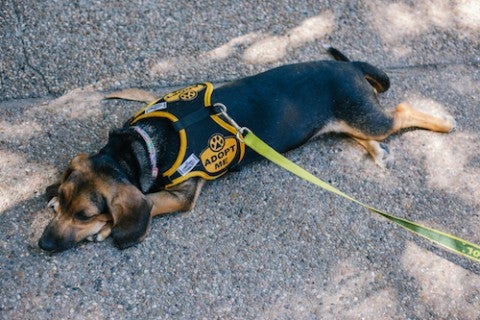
(208, 144)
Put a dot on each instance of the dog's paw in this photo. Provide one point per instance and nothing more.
(384, 158)
(451, 123)
(103, 234)
(96, 238)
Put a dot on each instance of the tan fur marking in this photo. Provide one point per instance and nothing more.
(104, 233)
(180, 198)
(407, 117)
(372, 146)
(404, 117)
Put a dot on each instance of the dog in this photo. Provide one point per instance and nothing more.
(158, 162)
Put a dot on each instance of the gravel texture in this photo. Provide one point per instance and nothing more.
(261, 244)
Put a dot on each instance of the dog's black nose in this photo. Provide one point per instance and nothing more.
(47, 243)
(52, 242)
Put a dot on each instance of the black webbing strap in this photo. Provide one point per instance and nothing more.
(192, 118)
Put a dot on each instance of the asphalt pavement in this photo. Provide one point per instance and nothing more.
(260, 244)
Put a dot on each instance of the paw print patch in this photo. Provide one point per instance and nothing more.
(185, 94)
(220, 153)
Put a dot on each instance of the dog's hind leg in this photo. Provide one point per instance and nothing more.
(402, 117)
(405, 116)
(380, 154)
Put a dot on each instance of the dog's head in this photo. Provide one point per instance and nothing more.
(92, 201)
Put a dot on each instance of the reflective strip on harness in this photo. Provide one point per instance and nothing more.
(208, 145)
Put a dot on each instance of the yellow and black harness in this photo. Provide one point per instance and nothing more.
(208, 144)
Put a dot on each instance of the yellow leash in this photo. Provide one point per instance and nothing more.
(443, 239)
(446, 240)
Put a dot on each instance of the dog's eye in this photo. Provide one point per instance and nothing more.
(81, 215)
(53, 204)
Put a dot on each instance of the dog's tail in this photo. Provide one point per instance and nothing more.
(376, 77)
(336, 54)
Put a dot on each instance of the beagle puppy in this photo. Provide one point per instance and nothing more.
(158, 162)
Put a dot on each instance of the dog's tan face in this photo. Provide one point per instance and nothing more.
(91, 204)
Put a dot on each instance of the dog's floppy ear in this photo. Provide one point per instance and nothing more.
(79, 161)
(52, 191)
(130, 210)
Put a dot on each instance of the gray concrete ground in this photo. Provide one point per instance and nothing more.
(261, 244)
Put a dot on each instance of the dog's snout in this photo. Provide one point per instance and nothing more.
(50, 241)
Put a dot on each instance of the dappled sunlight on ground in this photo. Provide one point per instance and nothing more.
(252, 48)
(453, 169)
(21, 180)
(274, 48)
(343, 298)
(446, 157)
(229, 48)
(398, 22)
(24, 130)
(80, 103)
(164, 66)
(347, 294)
(468, 12)
(445, 287)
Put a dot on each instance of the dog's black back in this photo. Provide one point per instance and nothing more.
(285, 107)
(288, 105)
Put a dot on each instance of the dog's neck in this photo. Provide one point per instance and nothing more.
(131, 156)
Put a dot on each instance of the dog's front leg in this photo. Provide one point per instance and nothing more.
(103, 234)
(181, 197)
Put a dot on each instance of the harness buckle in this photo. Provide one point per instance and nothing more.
(240, 130)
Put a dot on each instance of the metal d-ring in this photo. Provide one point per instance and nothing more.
(240, 130)
(241, 133)
(223, 112)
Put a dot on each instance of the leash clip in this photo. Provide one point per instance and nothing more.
(240, 130)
